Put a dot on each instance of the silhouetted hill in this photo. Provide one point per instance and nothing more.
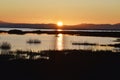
(96, 26)
(17, 25)
(3, 22)
(54, 26)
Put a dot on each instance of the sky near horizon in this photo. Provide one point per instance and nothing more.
(68, 11)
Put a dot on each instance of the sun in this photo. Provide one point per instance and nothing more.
(60, 23)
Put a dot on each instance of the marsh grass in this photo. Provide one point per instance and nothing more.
(33, 41)
(5, 45)
(85, 43)
(25, 55)
(52, 54)
(117, 40)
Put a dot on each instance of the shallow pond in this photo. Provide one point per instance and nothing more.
(57, 42)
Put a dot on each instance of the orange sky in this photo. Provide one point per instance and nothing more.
(68, 11)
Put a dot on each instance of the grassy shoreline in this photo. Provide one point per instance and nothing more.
(21, 54)
(65, 65)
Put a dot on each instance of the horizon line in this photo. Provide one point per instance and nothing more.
(6, 22)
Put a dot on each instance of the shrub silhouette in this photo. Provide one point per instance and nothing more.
(15, 32)
(34, 41)
(5, 45)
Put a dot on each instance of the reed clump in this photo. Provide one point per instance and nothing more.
(5, 45)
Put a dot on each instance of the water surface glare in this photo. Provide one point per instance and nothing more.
(57, 42)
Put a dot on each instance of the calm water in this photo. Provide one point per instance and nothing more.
(57, 42)
(28, 29)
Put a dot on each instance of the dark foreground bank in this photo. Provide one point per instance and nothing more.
(63, 65)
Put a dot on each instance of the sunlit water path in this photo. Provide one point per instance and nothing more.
(58, 42)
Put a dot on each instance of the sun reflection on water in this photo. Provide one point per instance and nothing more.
(59, 30)
(59, 42)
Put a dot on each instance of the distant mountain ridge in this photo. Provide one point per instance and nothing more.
(54, 26)
(1, 22)
(97, 26)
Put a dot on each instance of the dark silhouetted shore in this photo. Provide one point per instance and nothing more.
(64, 65)
(81, 33)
